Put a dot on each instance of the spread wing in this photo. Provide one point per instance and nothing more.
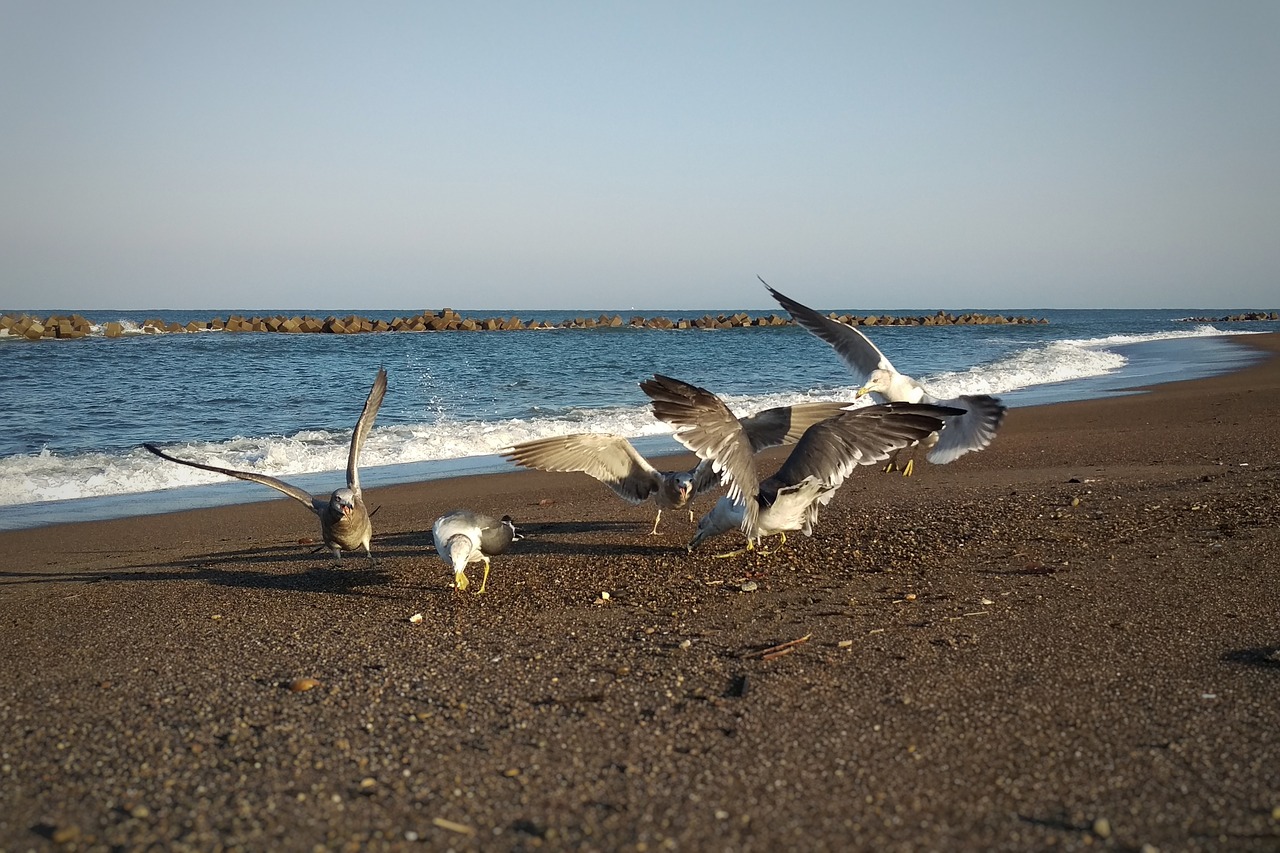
(780, 425)
(785, 424)
(973, 430)
(306, 498)
(830, 450)
(609, 458)
(363, 425)
(851, 345)
(706, 427)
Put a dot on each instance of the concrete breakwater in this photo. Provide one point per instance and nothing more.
(1251, 316)
(77, 326)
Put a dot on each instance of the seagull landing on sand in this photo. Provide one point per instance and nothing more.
(613, 460)
(825, 455)
(972, 430)
(464, 537)
(344, 521)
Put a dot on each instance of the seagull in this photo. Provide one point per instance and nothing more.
(344, 520)
(972, 430)
(613, 460)
(825, 455)
(465, 537)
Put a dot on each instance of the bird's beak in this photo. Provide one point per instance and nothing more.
(460, 580)
(861, 392)
(346, 511)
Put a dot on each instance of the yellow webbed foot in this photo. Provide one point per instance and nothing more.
(910, 466)
(484, 580)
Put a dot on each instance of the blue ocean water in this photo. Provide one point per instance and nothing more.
(76, 412)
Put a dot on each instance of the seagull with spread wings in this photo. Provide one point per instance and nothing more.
(825, 455)
(344, 520)
(972, 430)
(613, 460)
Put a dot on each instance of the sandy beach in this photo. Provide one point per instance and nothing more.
(1070, 640)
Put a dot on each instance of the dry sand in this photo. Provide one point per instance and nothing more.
(1069, 640)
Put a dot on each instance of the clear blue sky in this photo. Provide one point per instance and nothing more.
(657, 155)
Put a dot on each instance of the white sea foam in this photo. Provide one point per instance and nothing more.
(47, 476)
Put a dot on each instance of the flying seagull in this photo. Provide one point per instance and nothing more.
(464, 537)
(613, 460)
(344, 520)
(825, 455)
(972, 430)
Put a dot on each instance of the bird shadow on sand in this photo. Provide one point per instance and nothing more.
(233, 568)
(1266, 657)
(567, 527)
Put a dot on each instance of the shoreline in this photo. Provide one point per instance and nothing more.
(1067, 640)
(1180, 358)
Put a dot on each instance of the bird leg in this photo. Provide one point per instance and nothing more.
(654, 531)
(484, 580)
(750, 549)
(910, 466)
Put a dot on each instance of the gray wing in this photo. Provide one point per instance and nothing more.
(781, 425)
(973, 430)
(306, 498)
(830, 450)
(851, 345)
(363, 425)
(609, 458)
(785, 424)
(495, 536)
(706, 427)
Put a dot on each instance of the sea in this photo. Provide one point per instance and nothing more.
(76, 412)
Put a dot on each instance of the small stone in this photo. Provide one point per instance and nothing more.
(721, 814)
(1275, 813)
(1102, 828)
(302, 685)
(140, 812)
(911, 596)
(685, 644)
(410, 835)
(987, 601)
(749, 586)
(1075, 502)
(415, 618)
(65, 835)
(844, 644)
(511, 772)
(367, 782)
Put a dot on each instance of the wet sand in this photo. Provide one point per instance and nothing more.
(1069, 640)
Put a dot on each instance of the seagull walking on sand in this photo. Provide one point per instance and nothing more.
(825, 455)
(613, 460)
(344, 520)
(972, 430)
(464, 537)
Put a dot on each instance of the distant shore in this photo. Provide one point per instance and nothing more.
(31, 327)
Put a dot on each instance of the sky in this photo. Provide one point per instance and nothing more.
(572, 155)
